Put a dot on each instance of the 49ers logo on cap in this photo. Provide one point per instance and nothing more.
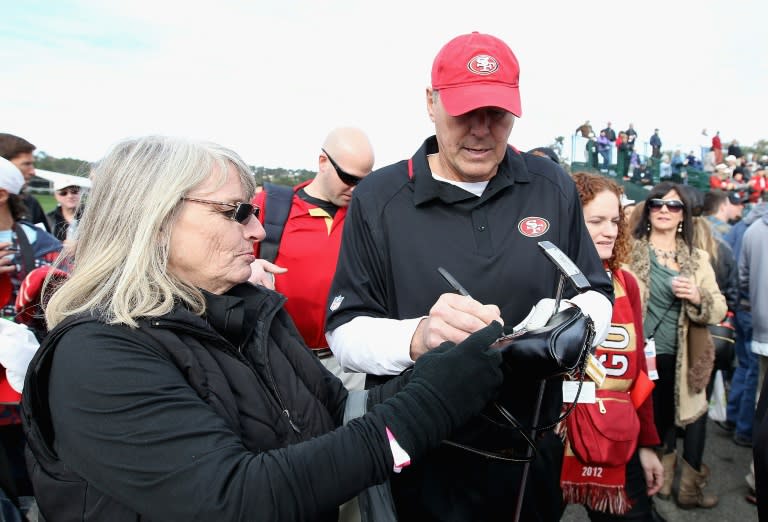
(483, 65)
(533, 226)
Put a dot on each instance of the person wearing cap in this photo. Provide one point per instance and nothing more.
(19, 152)
(472, 204)
(23, 247)
(68, 194)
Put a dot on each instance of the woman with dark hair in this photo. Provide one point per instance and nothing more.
(679, 290)
(627, 488)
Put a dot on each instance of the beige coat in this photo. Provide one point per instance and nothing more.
(689, 406)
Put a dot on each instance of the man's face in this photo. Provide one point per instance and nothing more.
(353, 165)
(472, 145)
(734, 211)
(25, 162)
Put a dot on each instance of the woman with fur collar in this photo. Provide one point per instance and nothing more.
(678, 288)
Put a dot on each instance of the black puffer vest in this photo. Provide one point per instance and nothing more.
(270, 393)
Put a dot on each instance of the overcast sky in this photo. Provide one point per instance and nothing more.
(270, 78)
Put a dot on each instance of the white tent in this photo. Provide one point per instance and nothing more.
(60, 180)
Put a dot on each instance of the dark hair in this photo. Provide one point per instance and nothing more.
(17, 207)
(696, 199)
(643, 228)
(712, 201)
(11, 146)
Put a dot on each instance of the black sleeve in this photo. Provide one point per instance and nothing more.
(727, 273)
(126, 420)
(358, 287)
(35, 212)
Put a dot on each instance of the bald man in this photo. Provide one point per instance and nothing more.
(311, 236)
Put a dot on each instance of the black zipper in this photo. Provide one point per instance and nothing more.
(237, 353)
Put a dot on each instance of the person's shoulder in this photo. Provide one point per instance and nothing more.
(384, 182)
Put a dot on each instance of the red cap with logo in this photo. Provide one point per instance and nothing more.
(477, 70)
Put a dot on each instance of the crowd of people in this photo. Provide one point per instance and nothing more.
(358, 347)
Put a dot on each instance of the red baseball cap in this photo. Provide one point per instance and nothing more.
(477, 70)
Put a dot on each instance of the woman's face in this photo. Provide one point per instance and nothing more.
(68, 197)
(602, 218)
(662, 220)
(207, 248)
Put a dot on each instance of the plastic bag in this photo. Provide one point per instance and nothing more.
(718, 402)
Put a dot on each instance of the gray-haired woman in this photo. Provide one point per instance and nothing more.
(171, 389)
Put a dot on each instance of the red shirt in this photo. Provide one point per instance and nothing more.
(309, 249)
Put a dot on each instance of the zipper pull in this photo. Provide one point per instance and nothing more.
(601, 405)
(290, 421)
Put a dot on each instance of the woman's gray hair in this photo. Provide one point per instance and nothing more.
(121, 257)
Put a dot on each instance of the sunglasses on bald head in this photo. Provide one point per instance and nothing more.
(240, 212)
(673, 205)
(68, 190)
(345, 177)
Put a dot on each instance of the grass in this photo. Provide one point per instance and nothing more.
(47, 201)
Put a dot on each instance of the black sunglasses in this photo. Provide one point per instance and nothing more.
(673, 205)
(241, 212)
(69, 190)
(346, 178)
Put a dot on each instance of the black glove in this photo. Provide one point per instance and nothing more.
(448, 386)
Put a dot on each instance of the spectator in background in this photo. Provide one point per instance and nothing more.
(311, 237)
(678, 287)
(604, 148)
(720, 211)
(23, 248)
(720, 179)
(19, 152)
(611, 135)
(735, 150)
(717, 146)
(65, 215)
(758, 184)
(591, 149)
(631, 136)
(655, 144)
(665, 167)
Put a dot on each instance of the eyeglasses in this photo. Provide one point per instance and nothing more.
(69, 190)
(241, 212)
(346, 178)
(673, 205)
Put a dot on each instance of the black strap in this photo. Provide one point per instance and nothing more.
(277, 207)
(653, 332)
(27, 254)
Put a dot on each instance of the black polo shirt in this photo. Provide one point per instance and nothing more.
(400, 229)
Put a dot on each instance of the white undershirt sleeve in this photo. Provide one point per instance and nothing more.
(374, 345)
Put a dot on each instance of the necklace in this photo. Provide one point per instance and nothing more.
(665, 257)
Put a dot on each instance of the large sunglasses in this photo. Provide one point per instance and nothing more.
(241, 212)
(673, 205)
(345, 177)
(68, 190)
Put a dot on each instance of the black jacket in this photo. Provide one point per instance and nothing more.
(227, 417)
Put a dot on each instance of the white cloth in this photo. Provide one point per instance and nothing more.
(10, 177)
(18, 347)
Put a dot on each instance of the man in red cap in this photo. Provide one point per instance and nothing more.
(468, 202)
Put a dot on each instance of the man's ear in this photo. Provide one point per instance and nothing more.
(431, 103)
(4, 196)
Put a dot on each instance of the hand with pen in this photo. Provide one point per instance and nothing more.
(452, 318)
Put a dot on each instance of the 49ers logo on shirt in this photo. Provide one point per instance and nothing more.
(533, 226)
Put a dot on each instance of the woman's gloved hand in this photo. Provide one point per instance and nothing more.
(448, 386)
